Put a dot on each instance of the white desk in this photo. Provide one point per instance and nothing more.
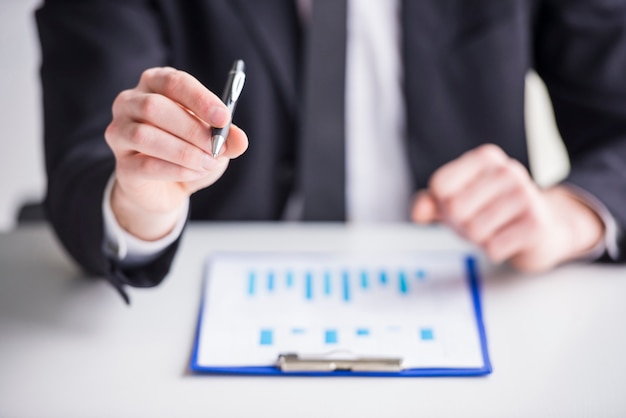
(69, 347)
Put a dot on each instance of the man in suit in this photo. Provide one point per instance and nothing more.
(462, 67)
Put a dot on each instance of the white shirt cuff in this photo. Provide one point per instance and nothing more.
(128, 249)
(611, 230)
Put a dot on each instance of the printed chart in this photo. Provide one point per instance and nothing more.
(417, 307)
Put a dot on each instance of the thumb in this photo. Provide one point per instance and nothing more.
(424, 208)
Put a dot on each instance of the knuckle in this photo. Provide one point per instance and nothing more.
(491, 153)
(119, 101)
(138, 135)
(113, 138)
(148, 74)
(434, 182)
(186, 155)
(196, 131)
(516, 176)
(533, 222)
(147, 165)
(518, 170)
(110, 132)
(172, 80)
(437, 184)
(125, 95)
(527, 196)
(201, 104)
(150, 106)
(525, 192)
(510, 173)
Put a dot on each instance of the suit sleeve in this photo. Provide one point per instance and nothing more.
(580, 53)
(91, 50)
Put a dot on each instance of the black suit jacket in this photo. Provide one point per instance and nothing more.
(464, 63)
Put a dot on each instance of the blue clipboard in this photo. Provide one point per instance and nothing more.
(473, 277)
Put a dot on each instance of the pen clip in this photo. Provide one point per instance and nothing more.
(239, 79)
(292, 362)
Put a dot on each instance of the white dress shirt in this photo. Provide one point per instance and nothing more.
(378, 184)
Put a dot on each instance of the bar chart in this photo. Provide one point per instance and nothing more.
(342, 282)
(418, 307)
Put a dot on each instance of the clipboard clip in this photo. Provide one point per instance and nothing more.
(292, 362)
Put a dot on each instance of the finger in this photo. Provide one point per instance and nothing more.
(456, 175)
(146, 167)
(495, 216)
(154, 142)
(512, 239)
(511, 180)
(186, 90)
(486, 188)
(165, 114)
(424, 208)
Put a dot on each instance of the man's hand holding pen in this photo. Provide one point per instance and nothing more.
(160, 135)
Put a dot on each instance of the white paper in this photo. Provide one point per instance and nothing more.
(418, 307)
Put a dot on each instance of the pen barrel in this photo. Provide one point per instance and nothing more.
(230, 95)
(234, 86)
(230, 104)
(226, 94)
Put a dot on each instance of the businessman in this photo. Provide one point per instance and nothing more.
(421, 118)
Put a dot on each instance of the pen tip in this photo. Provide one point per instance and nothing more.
(218, 142)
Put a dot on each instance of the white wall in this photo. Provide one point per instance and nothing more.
(21, 152)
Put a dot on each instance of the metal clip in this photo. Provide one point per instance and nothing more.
(291, 362)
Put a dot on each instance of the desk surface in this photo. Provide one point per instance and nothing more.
(69, 347)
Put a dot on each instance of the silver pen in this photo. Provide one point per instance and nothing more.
(232, 90)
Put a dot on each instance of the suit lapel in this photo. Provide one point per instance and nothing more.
(274, 27)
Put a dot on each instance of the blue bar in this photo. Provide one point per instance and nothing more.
(266, 337)
(309, 285)
(364, 283)
(270, 281)
(331, 336)
(404, 286)
(383, 277)
(362, 331)
(290, 279)
(346, 286)
(426, 334)
(421, 274)
(327, 288)
(251, 279)
(298, 331)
